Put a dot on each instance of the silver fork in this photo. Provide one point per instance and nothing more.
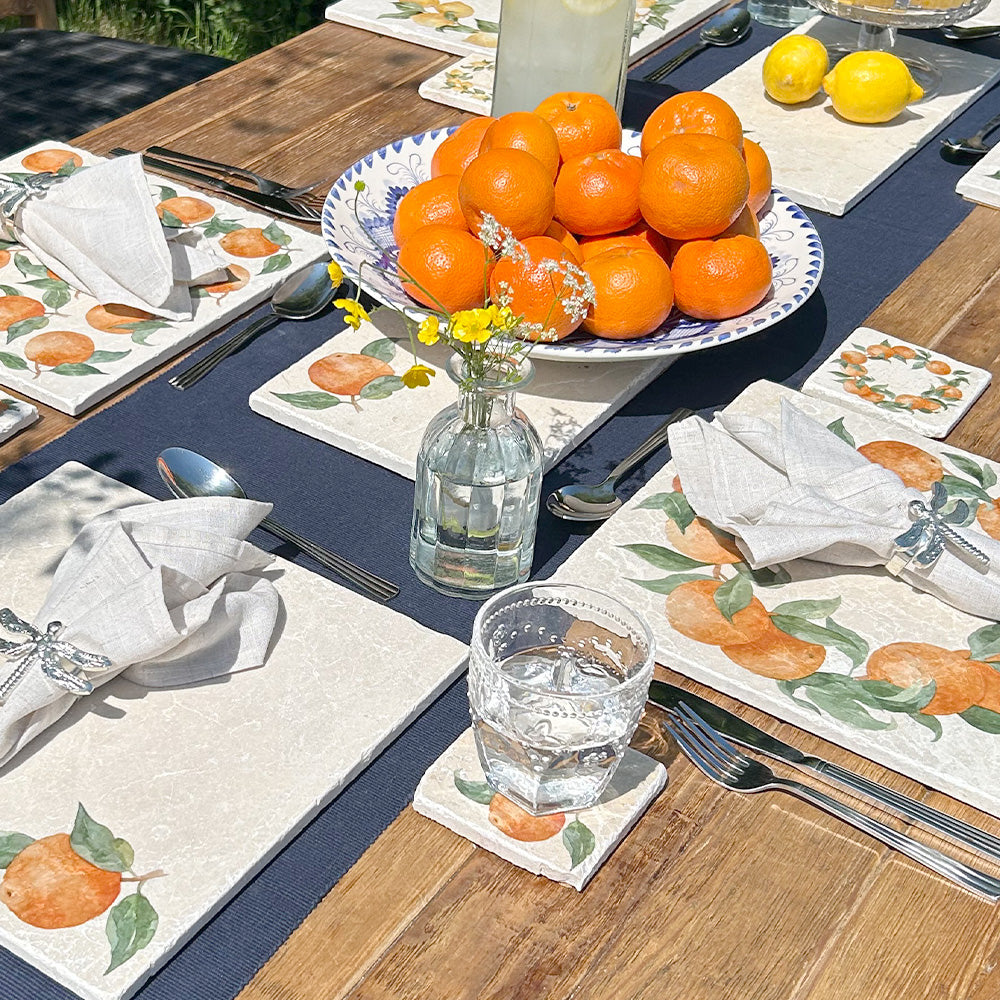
(717, 758)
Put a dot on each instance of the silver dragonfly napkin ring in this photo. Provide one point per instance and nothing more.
(14, 193)
(46, 650)
(924, 541)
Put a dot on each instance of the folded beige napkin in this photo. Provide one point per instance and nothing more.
(98, 230)
(798, 491)
(169, 592)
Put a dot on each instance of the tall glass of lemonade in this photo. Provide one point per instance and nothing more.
(547, 46)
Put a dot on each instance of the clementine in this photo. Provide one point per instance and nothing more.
(633, 293)
(598, 193)
(583, 123)
(759, 168)
(239, 277)
(693, 111)
(108, 318)
(511, 186)
(719, 278)
(640, 236)
(988, 517)
(444, 268)
(461, 147)
(693, 186)
(14, 308)
(959, 681)
(49, 161)
(516, 822)
(346, 374)
(562, 235)
(691, 610)
(58, 347)
(248, 242)
(188, 210)
(916, 467)
(777, 655)
(528, 131)
(433, 202)
(704, 542)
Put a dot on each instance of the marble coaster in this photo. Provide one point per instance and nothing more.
(805, 141)
(981, 183)
(987, 17)
(906, 383)
(384, 422)
(15, 415)
(564, 847)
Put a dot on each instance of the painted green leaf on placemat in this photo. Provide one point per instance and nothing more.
(383, 349)
(579, 841)
(982, 718)
(13, 362)
(984, 642)
(733, 596)
(130, 927)
(663, 558)
(219, 227)
(276, 263)
(75, 368)
(29, 268)
(308, 400)
(382, 387)
(95, 843)
(838, 428)
(674, 505)
(276, 234)
(667, 584)
(11, 845)
(104, 356)
(25, 326)
(478, 791)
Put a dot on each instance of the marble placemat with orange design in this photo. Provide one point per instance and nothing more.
(349, 393)
(851, 654)
(906, 383)
(468, 84)
(64, 348)
(566, 847)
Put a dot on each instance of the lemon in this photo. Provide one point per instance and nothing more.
(794, 69)
(871, 87)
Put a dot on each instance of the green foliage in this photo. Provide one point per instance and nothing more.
(232, 29)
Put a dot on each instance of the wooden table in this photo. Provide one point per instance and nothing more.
(713, 896)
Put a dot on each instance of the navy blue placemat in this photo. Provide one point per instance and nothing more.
(363, 511)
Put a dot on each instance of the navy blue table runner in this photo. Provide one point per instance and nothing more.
(363, 511)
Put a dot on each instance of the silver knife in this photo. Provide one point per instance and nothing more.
(742, 732)
(267, 202)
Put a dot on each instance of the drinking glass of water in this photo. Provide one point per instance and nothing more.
(558, 677)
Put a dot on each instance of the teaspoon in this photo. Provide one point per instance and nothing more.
(972, 148)
(727, 29)
(188, 474)
(597, 503)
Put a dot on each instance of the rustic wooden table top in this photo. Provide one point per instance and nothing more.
(712, 896)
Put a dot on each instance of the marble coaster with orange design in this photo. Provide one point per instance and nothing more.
(920, 389)
(565, 847)
(15, 415)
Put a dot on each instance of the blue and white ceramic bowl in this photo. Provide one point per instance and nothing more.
(357, 226)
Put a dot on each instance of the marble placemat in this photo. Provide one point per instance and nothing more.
(203, 783)
(468, 84)
(564, 847)
(107, 348)
(822, 161)
(981, 183)
(905, 383)
(15, 415)
(987, 17)
(384, 422)
(826, 623)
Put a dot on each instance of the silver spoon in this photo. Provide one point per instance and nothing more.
(727, 29)
(597, 503)
(188, 474)
(964, 150)
(298, 297)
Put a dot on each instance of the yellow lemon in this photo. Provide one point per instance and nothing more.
(871, 87)
(794, 69)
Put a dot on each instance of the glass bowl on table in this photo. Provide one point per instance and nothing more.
(558, 677)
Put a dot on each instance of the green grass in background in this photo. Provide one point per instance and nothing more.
(233, 29)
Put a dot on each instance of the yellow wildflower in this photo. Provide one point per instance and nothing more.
(472, 326)
(417, 375)
(428, 331)
(336, 273)
(355, 312)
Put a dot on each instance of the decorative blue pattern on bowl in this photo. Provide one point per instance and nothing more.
(357, 227)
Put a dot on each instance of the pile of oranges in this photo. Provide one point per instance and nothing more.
(676, 225)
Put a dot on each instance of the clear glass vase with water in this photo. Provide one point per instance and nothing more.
(478, 483)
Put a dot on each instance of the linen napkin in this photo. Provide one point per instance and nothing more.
(798, 491)
(98, 230)
(170, 592)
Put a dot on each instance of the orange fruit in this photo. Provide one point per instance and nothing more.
(4, 258)
(988, 517)
(188, 210)
(534, 291)
(633, 293)
(640, 236)
(444, 268)
(854, 357)
(461, 147)
(50, 160)
(704, 542)
(936, 367)
(777, 655)
(598, 193)
(746, 224)
(346, 374)
(528, 131)
(959, 682)
(716, 279)
(693, 186)
(902, 351)
(583, 123)
(14, 308)
(249, 242)
(759, 168)
(510, 185)
(49, 885)
(107, 318)
(519, 824)
(58, 347)
(691, 610)
(990, 697)
(239, 277)
(916, 467)
(433, 202)
(562, 235)
(693, 111)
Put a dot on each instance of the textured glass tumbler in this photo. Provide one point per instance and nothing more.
(780, 13)
(558, 677)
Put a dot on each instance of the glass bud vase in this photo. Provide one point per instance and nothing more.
(548, 46)
(479, 477)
